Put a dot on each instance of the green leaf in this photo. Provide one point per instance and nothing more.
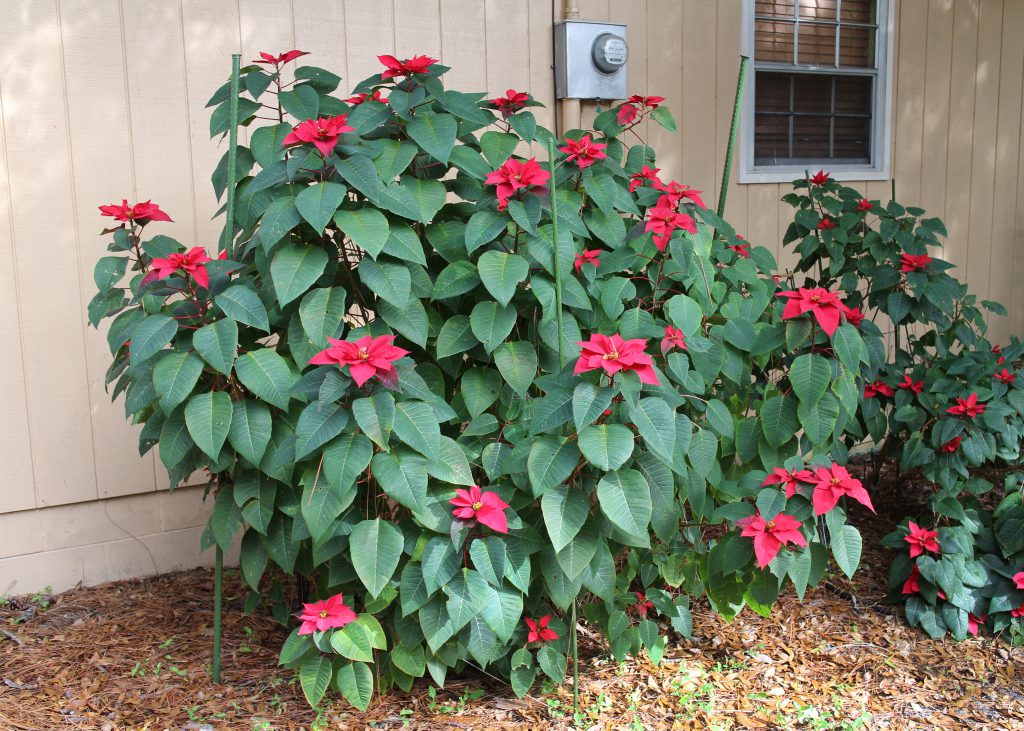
(318, 202)
(416, 425)
(355, 683)
(488, 556)
(846, 547)
(280, 217)
(322, 502)
(779, 420)
(517, 363)
(174, 377)
(606, 446)
(656, 422)
(819, 420)
(218, 344)
(501, 273)
(426, 196)
(360, 174)
(267, 375)
(552, 663)
(483, 227)
(497, 146)
(403, 476)
(175, 442)
(388, 280)
(109, 270)
(243, 305)
(810, 376)
(702, 451)
(625, 499)
(465, 106)
(435, 133)
(502, 611)
(552, 459)
(663, 116)
(848, 346)
(318, 424)
(450, 464)
(149, 336)
(367, 227)
(589, 402)
(565, 510)
(409, 659)
(250, 429)
(467, 593)
(226, 519)
(480, 388)
(345, 458)
(295, 269)
(303, 103)
(719, 418)
(492, 323)
(375, 416)
(322, 312)
(357, 640)
(266, 143)
(315, 677)
(456, 336)
(208, 417)
(376, 547)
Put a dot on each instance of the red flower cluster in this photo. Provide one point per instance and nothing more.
(511, 103)
(998, 350)
(789, 478)
(408, 67)
(824, 305)
(909, 384)
(367, 357)
(974, 622)
(613, 354)
(921, 539)
(673, 339)
(515, 175)
(912, 584)
(1005, 376)
(820, 178)
(951, 446)
(140, 213)
(864, 205)
(589, 256)
(743, 250)
(912, 263)
(642, 605)
(832, 483)
(192, 264)
(637, 180)
(285, 57)
(325, 614)
(484, 506)
(323, 132)
(358, 99)
(584, 151)
(826, 224)
(635, 106)
(771, 535)
(854, 316)
(675, 192)
(967, 407)
(1018, 579)
(878, 387)
(539, 631)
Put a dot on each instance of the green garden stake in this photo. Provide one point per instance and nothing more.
(733, 131)
(226, 238)
(556, 258)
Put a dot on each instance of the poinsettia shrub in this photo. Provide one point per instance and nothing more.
(945, 403)
(461, 415)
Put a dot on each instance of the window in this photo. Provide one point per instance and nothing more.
(818, 91)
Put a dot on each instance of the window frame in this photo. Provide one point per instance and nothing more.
(881, 118)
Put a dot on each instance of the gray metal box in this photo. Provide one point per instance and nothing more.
(577, 75)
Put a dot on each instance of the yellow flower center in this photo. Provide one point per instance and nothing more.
(613, 355)
(364, 354)
(771, 525)
(323, 614)
(836, 481)
(815, 298)
(477, 506)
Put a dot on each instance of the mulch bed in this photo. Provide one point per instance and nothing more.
(136, 655)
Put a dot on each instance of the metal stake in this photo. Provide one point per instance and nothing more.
(733, 131)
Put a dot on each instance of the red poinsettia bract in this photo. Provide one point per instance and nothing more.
(140, 213)
(284, 58)
(1018, 579)
(322, 132)
(325, 614)
(367, 357)
(636, 105)
(584, 151)
(864, 205)
(484, 506)
(742, 250)
(408, 67)
(771, 535)
(192, 263)
(909, 384)
(538, 629)
(1005, 376)
(589, 256)
(789, 478)
(912, 263)
(952, 445)
(674, 338)
(642, 605)
(921, 539)
(613, 354)
(967, 407)
(515, 175)
(512, 102)
(646, 174)
(820, 178)
(832, 483)
(357, 99)
(878, 387)
(824, 305)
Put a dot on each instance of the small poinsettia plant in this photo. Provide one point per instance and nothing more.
(944, 403)
(463, 387)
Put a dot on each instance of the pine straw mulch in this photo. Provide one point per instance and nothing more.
(136, 655)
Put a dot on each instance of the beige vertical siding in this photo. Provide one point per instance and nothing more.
(103, 99)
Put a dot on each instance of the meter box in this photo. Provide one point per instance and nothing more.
(590, 60)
